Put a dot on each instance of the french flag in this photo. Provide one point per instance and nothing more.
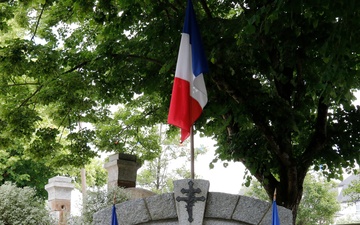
(189, 95)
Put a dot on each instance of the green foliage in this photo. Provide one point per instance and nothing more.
(22, 206)
(128, 132)
(6, 13)
(81, 151)
(96, 174)
(281, 82)
(33, 164)
(256, 190)
(318, 205)
(172, 164)
(353, 190)
(24, 170)
(100, 199)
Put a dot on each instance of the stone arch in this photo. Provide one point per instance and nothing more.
(220, 209)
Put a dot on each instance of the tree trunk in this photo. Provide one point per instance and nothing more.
(289, 189)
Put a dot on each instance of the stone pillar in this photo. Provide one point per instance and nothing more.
(122, 169)
(59, 197)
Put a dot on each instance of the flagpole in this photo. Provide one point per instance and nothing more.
(192, 159)
(114, 220)
(274, 198)
(114, 199)
(181, 113)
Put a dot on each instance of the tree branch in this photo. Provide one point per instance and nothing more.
(139, 57)
(260, 124)
(116, 56)
(300, 86)
(38, 21)
(270, 137)
(206, 8)
(318, 139)
(270, 184)
(21, 84)
(267, 180)
(172, 6)
(32, 95)
(77, 67)
(63, 130)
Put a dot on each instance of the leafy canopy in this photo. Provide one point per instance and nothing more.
(282, 78)
(353, 191)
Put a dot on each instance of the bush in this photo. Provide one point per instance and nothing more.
(20, 206)
(100, 199)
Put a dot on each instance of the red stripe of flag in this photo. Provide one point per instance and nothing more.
(189, 95)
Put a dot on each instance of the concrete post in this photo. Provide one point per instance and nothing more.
(59, 197)
(122, 169)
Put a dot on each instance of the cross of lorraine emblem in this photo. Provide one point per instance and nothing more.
(190, 199)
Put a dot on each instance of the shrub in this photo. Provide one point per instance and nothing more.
(20, 206)
(100, 199)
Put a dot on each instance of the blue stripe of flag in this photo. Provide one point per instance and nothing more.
(113, 216)
(199, 62)
(275, 216)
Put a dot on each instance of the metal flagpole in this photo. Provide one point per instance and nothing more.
(114, 199)
(192, 159)
(274, 197)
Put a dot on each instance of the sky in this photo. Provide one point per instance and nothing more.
(228, 180)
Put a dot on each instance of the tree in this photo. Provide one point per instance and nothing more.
(99, 199)
(255, 190)
(25, 169)
(353, 190)
(96, 174)
(156, 174)
(173, 163)
(127, 131)
(318, 205)
(280, 88)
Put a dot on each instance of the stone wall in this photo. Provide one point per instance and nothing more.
(221, 209)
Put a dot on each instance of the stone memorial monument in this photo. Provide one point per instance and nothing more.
(192, 204)
(59, 197)
(122, 169)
